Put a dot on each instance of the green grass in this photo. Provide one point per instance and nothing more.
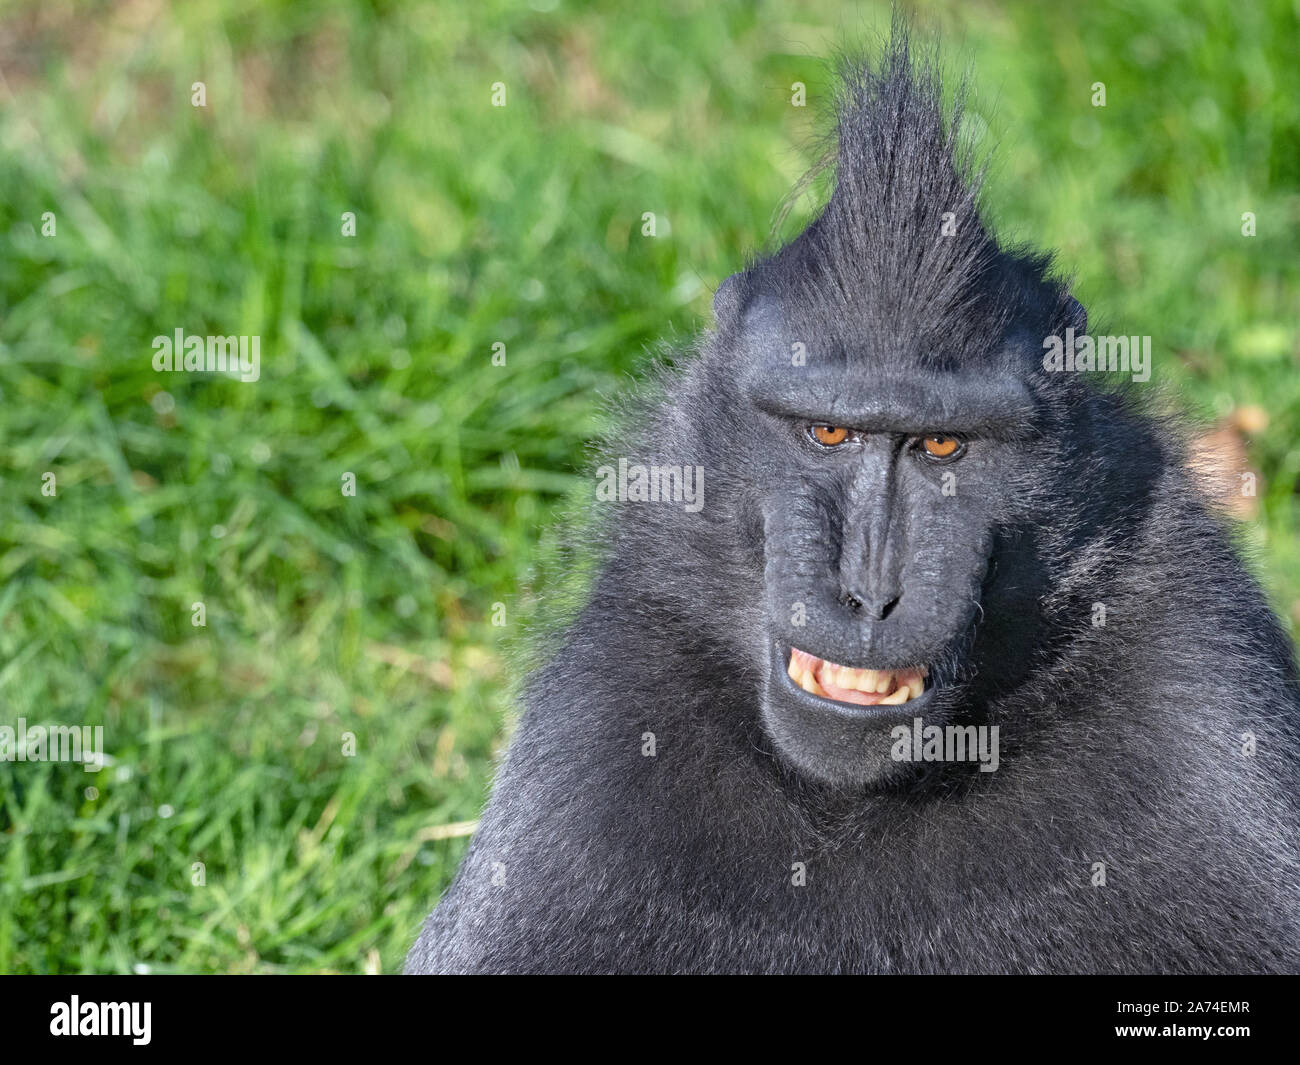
(371, 615)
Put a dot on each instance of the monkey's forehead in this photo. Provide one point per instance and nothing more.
(776, 338)
(970, 318)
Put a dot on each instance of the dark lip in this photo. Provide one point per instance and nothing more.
(851, 711)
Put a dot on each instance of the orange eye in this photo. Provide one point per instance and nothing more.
(829, 435)
(941, 447)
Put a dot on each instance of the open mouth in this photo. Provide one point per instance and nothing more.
(861, 687)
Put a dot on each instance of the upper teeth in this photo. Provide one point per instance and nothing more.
(885, 687)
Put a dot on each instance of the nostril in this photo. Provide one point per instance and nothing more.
(875, 608)
(878, 609)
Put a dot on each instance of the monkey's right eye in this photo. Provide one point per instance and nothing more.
(828, 435)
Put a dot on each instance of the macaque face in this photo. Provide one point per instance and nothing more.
(883, 489)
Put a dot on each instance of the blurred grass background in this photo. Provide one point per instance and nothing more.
(371, 615)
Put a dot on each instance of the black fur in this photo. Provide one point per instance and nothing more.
(1120, 743)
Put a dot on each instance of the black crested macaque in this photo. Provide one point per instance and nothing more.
(954, 670)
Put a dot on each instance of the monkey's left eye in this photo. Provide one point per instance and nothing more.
(942, 446)
(829, 435)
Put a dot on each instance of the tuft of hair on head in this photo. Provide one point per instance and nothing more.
(900, 255)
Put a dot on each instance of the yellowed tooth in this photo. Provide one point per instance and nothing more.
(883, 680)
(847, 678)
(866, 680)
(915, 686)
(897, 699)
(793, 670)
(809, 684)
